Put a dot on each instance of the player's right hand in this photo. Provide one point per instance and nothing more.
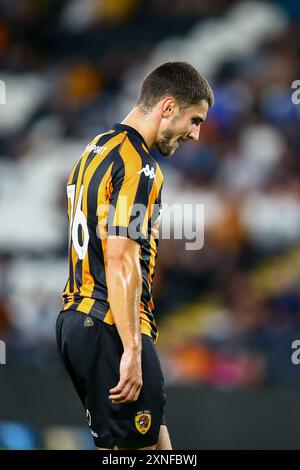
(130, 383)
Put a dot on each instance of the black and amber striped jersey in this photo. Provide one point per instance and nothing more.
(114, 189)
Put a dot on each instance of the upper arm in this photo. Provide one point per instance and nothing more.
(118, 248)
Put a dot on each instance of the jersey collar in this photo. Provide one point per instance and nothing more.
(130, 130)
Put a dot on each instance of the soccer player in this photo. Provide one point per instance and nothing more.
(106, 329)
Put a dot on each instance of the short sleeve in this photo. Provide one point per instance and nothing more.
(133, 195)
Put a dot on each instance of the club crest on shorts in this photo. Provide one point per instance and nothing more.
(143, 421)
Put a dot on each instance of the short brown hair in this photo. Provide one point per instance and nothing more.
(177, 79)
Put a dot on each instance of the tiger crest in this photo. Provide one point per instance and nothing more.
(143, 422)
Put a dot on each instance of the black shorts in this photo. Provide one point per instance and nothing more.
(91, 351)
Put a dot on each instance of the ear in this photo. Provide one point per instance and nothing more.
(167, 107)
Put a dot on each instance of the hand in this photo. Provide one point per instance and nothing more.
(130, 383)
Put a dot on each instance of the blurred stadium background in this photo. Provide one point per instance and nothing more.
(228, 313)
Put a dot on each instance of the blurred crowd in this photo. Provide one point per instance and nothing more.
(227, 313)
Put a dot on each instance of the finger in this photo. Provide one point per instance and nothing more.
(122, 395)
(129, 396)
(119, 387)
(132, 395)
(119, 390)
(136, 396)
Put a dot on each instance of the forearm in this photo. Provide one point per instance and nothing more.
(124, 284)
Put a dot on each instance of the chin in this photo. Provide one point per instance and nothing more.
(166, 151)
(169, 154)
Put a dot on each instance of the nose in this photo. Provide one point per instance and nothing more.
(195, 133)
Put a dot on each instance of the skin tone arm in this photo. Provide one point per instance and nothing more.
(124, 284)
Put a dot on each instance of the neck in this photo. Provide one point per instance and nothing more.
(145, 124)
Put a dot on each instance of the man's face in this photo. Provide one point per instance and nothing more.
(183, 125)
